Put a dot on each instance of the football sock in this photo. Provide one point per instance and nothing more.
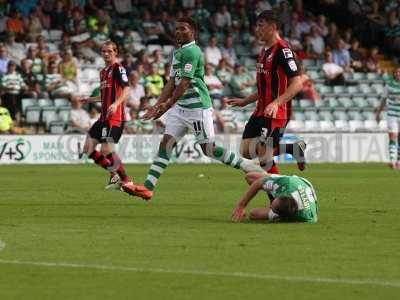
(100, 160)
(392, 151)
(158, 167)
(117, 165)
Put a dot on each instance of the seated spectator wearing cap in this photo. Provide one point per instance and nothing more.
(212, 53)
(334, 74)
(242, 83)
(16, 51)
(11, 86)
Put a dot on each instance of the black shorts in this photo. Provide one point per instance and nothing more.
(102, 132)
(267, 129)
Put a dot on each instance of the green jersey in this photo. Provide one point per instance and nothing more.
(392, 92)
(188, 61)
(300, 189)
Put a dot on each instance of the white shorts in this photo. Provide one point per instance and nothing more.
(179, 120)
(393, 124)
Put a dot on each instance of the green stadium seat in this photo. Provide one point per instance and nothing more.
(341, 125)
(299, 116)
(313, 74)
(311, 125)
(340, 115)
(295, 125)
(325, 116)
(352, 89)
(373, 101)
(371, 125)
(311, 115)
(339, 89)
(373, 76)
(57, 127)
(368, 115)
(345, 102)
(45, 102)
(305, 103)
(333, 102)
(378, 88)
(49, 114)
(356, 125)
(32, 115)
(324, 89)
(355, 115)
(365, 88)
(326, 125)
(358, 76)
(64, 113)
(360, 102)
(58, 102)
(26, 102)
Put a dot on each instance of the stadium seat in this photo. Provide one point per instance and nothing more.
(306, 103)
(341, 125)
(340, 115)
(339, 89)
(355, 115)
(371, 125)
(299, 116)
(33, 114)
(373, 101)
(313, 74)
(49, 114)
(333, 103)
(311, 116)
(352, 89)
(345, 102)
(358, 76)
(359, 102)
(26, 102)
(325, 116)
(365, 88)
(311, 125)
(324, 89)
(55, 35)
(373, 76)
(326, 125)
(295, 125)
(58, 102)
(64, 113)
(378, 88)
(355, 125)
(368, 115)
(57, 127)
(45, 102)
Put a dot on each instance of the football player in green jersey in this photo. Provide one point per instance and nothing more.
(189, 107)
(292, 199)
(391, 99)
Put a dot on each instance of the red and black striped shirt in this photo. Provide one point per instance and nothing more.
(275, 66)
(112, 81)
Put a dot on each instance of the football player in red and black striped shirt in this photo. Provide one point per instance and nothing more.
(278, 81)
(107, 130)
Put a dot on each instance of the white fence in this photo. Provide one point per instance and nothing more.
(67, 149)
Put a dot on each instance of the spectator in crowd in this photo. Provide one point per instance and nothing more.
(36, 62)
(214, 85)
(11, 86)
(44, 50)
(202, 16)
(15, 24)
(212, 53)
(155, 82)
(332, 36)
(143, 62)
(356, 57)
(308, 48)
(321, 25)
(76, 24)
(242, 82)
(32, 26)
(128, 63)
(223, 19)
(151, 29)
(167, 29)
(54, 83)
(136, 91)
(16, 51)
(240, 19)
(305, 24)
(347, 37)
(224, 72)
(158, 59)
(334, 74)
(375, 17)
(6, 121)
(295, 26)
(392, 34)
(33, 85)
(372, 61)
(294, 41)
(3, 60)
(228, 51)
(58, 16)
(79, 118)
(285, 16)
(341, 55)
(131, 126)
(144, 126)
(69, 70)
(225, 118)
(317, 42)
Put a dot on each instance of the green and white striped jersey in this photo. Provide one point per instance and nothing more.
(392, 93)
(12, 82)
(188, 61)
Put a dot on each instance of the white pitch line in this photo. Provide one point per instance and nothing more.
(349, 281)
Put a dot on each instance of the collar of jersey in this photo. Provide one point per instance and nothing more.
(188, 44)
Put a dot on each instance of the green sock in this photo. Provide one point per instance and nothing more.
(158, 166)
(227, 157)
(392, 151)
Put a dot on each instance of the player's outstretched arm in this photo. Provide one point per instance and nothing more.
(243, 102)
(240, 211)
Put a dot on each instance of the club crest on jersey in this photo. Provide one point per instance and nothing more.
(287, 53)
(188, 68)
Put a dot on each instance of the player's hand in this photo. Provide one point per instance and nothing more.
(149, 114)
(239, 214)
(161, 109)
(112, 109)
(271, 110)
(236, 102)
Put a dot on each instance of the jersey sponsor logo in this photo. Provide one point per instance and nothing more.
(292, 65)
(104, 84)
(287, 53)
(260, 69)
(188, 68)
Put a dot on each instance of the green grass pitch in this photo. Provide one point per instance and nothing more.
(62, 236)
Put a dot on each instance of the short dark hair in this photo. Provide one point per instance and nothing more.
(192, 23)
(287, 208)
(270, 17)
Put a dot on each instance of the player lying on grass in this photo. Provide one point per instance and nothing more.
(292, 199)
